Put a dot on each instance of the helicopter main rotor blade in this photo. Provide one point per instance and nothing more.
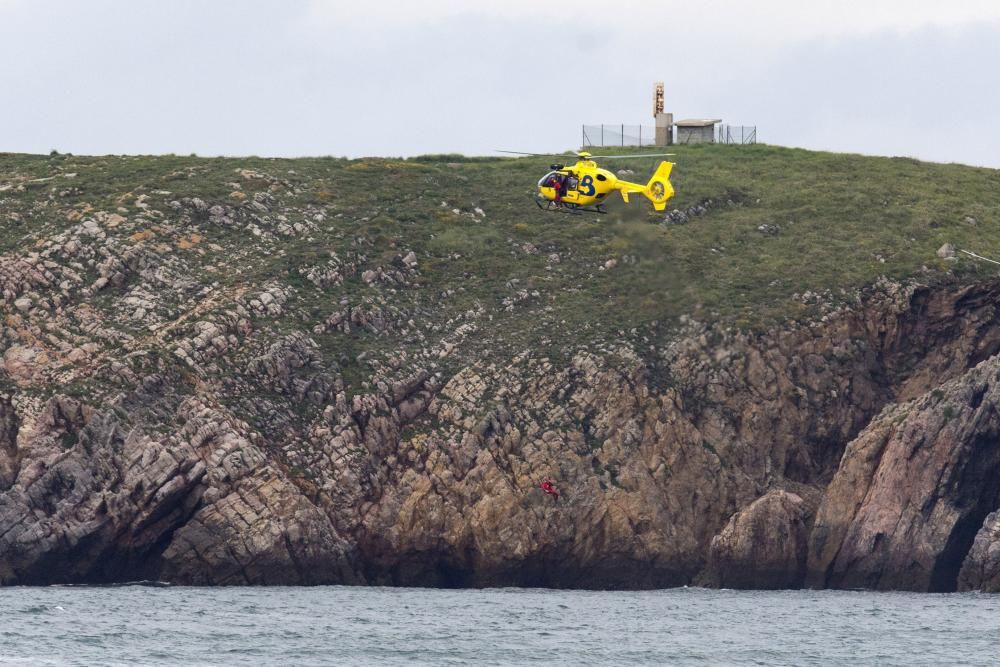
(613, 157)
(538, 154)
(578, 154)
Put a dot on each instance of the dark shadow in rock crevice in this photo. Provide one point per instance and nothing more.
(977, 494)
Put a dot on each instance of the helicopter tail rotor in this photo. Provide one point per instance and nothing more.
(659, 189)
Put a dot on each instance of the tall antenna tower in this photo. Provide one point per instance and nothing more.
(664, 121)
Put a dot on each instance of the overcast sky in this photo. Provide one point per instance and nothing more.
(388, 77)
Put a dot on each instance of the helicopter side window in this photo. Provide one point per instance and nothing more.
(572, 182)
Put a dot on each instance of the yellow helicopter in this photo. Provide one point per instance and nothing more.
(583, 186)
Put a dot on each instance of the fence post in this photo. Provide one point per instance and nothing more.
(640, 136)
(602, 135)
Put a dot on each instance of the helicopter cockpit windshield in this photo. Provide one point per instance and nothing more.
(550, 180)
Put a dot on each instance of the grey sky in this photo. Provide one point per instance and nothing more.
(300, 77)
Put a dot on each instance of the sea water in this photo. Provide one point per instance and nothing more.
(399, 626)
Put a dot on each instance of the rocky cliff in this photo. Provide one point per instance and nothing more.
(206, 391)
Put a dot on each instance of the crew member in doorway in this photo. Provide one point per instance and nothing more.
(558, 184)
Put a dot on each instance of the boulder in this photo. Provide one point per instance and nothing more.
(763, 546)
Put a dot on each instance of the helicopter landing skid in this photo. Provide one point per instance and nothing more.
(566, 207)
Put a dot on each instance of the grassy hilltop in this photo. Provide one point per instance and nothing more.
(767, 225)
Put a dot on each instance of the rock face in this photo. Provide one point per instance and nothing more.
(103, 503)
(913, 490)
(704, 465)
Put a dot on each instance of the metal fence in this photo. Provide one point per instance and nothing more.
(736, 134)
(645, 135)
(619, 135)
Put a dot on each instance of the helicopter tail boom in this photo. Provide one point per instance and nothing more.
(658, 190)
(626, 188)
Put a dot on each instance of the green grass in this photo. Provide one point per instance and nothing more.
(845, 220)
